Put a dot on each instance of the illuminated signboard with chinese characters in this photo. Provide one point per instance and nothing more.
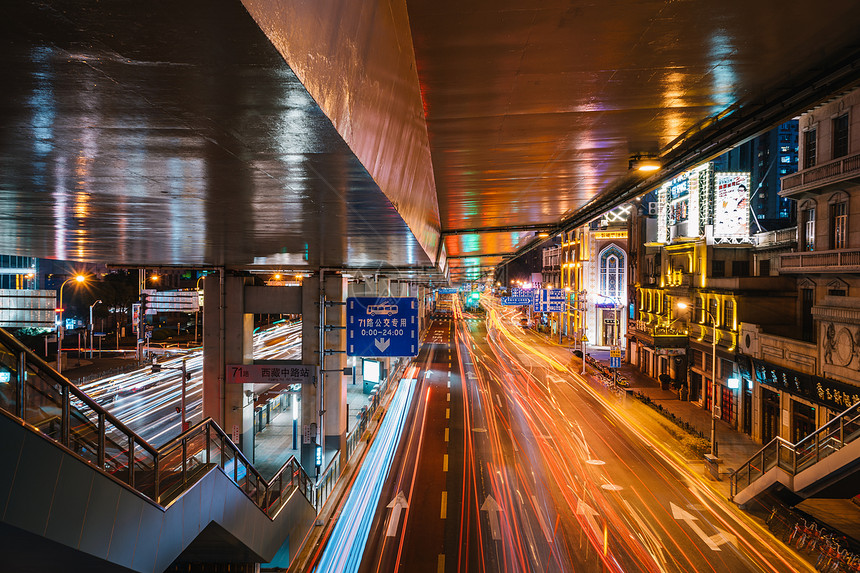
(269, 374)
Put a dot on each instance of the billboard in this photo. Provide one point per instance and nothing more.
(731, 207)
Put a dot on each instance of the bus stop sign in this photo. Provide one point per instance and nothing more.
(377, 327)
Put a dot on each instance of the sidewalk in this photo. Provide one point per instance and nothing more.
(273, 445)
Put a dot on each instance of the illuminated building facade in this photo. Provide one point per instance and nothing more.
(593, 260)
(693, 283)
(19, 272)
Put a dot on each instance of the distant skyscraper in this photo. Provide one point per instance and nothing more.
(18, 272)
(767, 158)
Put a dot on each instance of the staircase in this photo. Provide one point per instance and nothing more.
(823, 464)
(80, 491)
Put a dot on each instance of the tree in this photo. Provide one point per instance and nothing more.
(117, 291)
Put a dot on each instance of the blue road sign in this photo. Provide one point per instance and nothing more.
(381, 326)
(519, 292)
(615, 362)
(551, 300)
(447, 291)
(515, 300)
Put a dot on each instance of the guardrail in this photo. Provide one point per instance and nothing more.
(36, 395)
(794, 458)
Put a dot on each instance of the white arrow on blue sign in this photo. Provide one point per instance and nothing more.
(377, 327)
(515, 300)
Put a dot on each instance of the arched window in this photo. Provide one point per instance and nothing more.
(612, 265)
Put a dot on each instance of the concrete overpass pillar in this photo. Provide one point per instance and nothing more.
(334, 422)
(324, 405)
(310, 355)
(227, 339)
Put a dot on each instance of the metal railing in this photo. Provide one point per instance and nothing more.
(794, 458)
(834, 260)
(778, 237)
(42, 399)
(830, 172)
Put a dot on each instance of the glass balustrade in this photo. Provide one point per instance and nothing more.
(794, 458)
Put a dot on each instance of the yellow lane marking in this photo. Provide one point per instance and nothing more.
(447, 413)
(444, 504)
(448, 396)
(440, 565)
(445, 462)
(446, 434)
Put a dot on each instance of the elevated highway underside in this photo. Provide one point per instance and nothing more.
(376, 134)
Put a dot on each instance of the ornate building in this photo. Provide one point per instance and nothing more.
(594, 272)
(805, 377)
(694, 285)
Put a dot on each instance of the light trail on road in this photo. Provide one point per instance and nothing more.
(559, 449)
(146, 401)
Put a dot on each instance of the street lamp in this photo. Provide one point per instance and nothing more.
(91, 329)
(714, 449)
(61, 327)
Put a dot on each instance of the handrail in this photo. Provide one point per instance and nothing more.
(159, 474)
(794, 458)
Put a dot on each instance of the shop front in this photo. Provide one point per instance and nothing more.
(658, 354)
(803, 402)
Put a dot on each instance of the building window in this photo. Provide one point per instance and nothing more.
(807, 323)
(729, 314)
(840, 136)
(612, 273)
(808, 216)
(740, 268)
(837, 292)
(714, 310)
(764, 268)
(700, 310)
(839, 225)
(718, 268)
(809, 148)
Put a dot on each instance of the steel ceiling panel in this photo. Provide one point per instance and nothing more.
(534, 110)
(175, 133)
(165, 133)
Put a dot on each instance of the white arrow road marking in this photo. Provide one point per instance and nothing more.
(492, 508)
(397, 505)
(722, 537)
(381, 343)
(712, 542)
